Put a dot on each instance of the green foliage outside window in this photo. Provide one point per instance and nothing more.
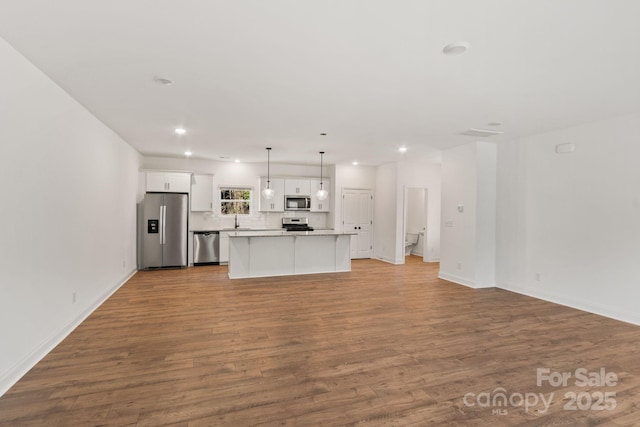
(235, 201)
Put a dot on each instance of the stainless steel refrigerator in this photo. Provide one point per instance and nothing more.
(164, 230)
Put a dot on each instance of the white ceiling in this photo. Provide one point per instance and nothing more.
(370, 73)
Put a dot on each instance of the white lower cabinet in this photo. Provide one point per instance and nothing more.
(224, 247)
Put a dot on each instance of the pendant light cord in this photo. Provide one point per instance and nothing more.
(321, 156)
(268, 166)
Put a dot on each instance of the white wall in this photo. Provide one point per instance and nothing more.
(457, 244)
(353, 177)
(416, 212)
(573, 219)
(485, 269)
(68, 217)
(468, 247)
(387, 208)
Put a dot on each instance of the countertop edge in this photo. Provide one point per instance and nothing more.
(289, 233)
(255, 230)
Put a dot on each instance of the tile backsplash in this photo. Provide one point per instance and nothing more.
(213, 221)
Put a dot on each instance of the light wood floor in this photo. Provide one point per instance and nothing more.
(383, 345)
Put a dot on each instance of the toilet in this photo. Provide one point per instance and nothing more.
(410, 241)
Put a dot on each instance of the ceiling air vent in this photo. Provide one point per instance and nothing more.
(481, 133)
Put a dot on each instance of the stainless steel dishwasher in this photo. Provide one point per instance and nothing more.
(206, 247)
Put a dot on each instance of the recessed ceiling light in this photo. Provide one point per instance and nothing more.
(402, 149)
(188, 153)
(355, 163)
(180, 131)
(237, 160)
(162, 81)
(494, 124)
(323, 134)
(224, 157)
(456, 48)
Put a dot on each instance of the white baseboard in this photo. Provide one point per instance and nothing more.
(627, 317)
(462, 281)
(456, 279)
(386, 259)
(21, 368)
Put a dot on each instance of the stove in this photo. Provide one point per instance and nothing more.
(296, 224)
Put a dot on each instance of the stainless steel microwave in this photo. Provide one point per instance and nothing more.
(297, 203)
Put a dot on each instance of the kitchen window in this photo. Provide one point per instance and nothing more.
(235, 201)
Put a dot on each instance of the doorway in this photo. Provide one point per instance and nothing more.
(415, 222)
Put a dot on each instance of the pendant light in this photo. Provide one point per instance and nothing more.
(268, 192)
(321, 194)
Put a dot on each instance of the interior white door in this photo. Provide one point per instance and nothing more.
(357, 214)
(349, 218)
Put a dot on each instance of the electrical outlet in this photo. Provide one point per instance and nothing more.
(459, 266)
(73, 298)
(537, 276)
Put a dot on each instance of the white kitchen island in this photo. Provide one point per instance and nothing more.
(285, 253)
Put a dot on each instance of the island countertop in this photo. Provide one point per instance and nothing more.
(284, 233)
(244, 230)
(284, 253)
(230, 229)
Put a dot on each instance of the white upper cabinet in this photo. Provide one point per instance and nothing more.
(320, 205)
(276, 204)
(297, 187)
(168, 182)
(202, 193)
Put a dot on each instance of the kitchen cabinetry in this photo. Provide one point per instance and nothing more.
(168, 182)
(276, 204)
(297, 187)
(264, 254)
(202, 193)
(224, 247)
(319, 205)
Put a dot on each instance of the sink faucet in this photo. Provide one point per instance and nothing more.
(236, 223)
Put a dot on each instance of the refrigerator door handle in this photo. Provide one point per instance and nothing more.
(163, 222)
(160, 225)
